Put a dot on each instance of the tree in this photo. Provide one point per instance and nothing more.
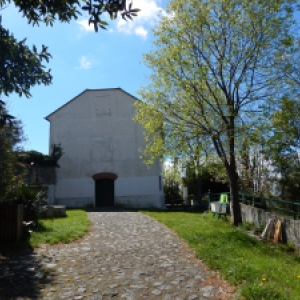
(212, 68)
(10, 136)
(283, 145)
(5, 118)
(21, 68)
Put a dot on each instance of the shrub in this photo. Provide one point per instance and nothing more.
(33, 200)
(171, 189)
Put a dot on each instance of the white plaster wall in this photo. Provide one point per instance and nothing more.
(133, 191)
(97, 133)
(75, 187)
(127, 186)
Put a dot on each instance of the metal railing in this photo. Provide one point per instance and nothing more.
(285, 207)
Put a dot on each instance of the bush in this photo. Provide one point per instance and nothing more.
(33, 200)
(171, 189)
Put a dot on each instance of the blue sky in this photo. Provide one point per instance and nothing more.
(81, 59)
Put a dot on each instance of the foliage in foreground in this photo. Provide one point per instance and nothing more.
(260, 270)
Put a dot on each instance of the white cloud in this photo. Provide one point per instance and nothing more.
(141, 31)
(84, 25)
(148, 16)
(84, 62)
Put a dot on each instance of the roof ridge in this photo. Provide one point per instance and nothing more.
(87, 90)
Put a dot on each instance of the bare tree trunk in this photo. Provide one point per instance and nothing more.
(235, 208)
(233, 177)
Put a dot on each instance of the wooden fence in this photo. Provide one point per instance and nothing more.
(11, 222)
(12, 216)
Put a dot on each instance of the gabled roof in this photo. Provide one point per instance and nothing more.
(88, 90)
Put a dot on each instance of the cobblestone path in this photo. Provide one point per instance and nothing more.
(126, 255)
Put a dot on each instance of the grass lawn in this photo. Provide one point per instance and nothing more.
(259, 270)
(60, 230)
(55, 230)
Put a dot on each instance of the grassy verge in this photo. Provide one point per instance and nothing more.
(260, 270)
(54, 230)
(60, 230)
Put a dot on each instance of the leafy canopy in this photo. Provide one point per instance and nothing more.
(48, 11)
(212, 69)
(21, 67)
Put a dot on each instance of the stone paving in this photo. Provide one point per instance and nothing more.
(126, 255)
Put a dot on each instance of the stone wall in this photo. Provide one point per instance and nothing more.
(290, 227)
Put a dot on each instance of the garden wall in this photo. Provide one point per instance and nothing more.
(258, 216)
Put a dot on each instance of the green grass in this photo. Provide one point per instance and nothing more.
(54, 230)
(60, 230)
(259, 270)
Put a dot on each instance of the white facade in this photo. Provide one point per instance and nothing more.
(98, 134)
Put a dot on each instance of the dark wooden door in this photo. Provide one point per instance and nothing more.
(105, 193)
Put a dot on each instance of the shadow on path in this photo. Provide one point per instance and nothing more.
(23, 273)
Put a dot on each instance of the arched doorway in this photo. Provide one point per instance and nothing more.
(105, 189)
